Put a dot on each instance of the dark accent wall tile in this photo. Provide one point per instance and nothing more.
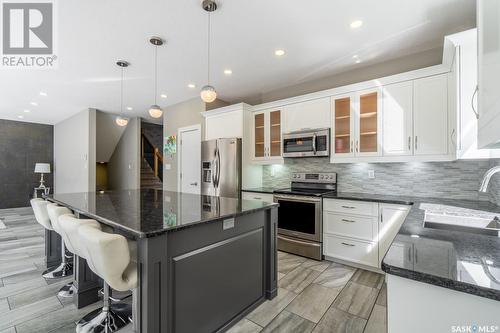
(21, 146)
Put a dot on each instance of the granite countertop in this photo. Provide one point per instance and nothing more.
(268, 190)
(148, 212)
(457, 260)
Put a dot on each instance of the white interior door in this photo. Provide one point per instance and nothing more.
(190, 159)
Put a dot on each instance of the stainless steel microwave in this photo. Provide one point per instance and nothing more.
(307, 143)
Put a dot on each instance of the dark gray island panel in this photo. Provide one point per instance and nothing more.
(204, 262)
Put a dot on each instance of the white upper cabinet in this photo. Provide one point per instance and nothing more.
(267, 136)
(312, 114)
(488, 16)
(397, 127)
(430, 125)
(357, 125)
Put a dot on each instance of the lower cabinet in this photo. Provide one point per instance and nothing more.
(360, 232)
(266, 197)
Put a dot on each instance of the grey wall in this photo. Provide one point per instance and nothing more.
(74, 153)
(154, 133)
(124, 167)
(357, 73)
(180, 115)
(21, 146)
(458, 179)
(107, 135)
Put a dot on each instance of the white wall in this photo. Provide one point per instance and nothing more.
(74, 153)
(124, 167)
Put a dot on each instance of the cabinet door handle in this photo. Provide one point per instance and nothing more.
(349, 207)
(409, 143)
(257, 198)
(416, 142)
(472, 102)
(357, 146)
(409, 254)
(352, 145)
(416, 256)
(347, 244)
(348, 221)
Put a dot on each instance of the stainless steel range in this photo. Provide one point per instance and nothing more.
(300, 214)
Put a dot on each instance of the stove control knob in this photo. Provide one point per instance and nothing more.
(321, 177)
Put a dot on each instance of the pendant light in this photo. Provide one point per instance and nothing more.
(208, 93)
(155, 110)
(120, 120)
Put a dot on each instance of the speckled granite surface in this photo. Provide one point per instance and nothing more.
(148, 212)
(457, 260)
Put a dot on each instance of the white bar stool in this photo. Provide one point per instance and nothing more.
(66, 267)
(113, 258)
(40, 209)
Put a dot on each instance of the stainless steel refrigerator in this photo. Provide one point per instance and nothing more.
(221, 167)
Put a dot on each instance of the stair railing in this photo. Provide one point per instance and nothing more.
(152, 156)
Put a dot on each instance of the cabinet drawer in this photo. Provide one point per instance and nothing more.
(351, 207)
(266, 197)
(348, 249)
(363, 227)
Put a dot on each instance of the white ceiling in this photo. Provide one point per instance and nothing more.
(316, 35)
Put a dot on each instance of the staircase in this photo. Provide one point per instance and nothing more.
(148, 178)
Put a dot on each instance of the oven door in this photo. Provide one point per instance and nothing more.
(304, 144)
(299, 216)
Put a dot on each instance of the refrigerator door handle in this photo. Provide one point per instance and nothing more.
(218, 166)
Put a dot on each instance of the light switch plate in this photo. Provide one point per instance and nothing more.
(371, 174)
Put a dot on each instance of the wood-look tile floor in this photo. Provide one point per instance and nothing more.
(312, 297)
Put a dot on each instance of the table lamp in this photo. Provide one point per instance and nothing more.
(42, 168)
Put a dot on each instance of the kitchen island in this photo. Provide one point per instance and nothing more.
(204, 262)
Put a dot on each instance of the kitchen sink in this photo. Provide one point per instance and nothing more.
(460, 219)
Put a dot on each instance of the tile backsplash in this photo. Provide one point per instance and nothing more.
(457, 179)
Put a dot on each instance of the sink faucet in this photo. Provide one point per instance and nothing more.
(487, 177)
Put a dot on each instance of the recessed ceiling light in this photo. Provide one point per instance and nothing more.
(228, 72)
(43, 93)
(27, 111)
(129, 108)
(358, 61)
(191, 85)
(356, 24)
(163, 95)
(279, 53)
(34, 103)
(20, 117)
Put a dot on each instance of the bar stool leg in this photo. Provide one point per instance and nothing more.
(109, 318)
(63, 270)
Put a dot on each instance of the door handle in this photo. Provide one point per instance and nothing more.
(348, 221)
(350, 207)
(409, 143)
(416, 142)
(352, 145)
(357, 146)
(472, 102)
(347, 244)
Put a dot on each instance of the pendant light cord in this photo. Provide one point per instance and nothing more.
(121, 95)
(208, 50)
(156, 71)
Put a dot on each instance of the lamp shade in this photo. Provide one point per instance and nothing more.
(42, 168)
(155, 111)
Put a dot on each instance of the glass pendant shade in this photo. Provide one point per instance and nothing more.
(155, 111)
(120, 121)
(208, 94)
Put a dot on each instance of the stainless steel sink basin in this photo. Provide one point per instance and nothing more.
(459, 219)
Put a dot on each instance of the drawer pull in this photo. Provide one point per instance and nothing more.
(347, 244)
(257, 198)
(348, 221)
(349, 207)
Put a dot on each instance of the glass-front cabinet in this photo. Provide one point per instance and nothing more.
(356, 126)
(267, 136)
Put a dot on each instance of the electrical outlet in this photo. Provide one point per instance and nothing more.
(371, 174)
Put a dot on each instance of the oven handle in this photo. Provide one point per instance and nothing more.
(296, 198)
(314, 143)
(297, 241)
